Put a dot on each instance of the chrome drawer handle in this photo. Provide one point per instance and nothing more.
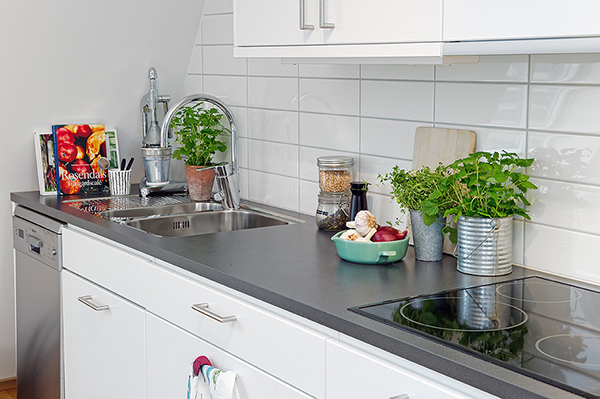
(323, 24)
(203, 309)
(87, 300)
(303, 25)
(401, 396)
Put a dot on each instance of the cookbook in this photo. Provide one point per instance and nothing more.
(77, 150)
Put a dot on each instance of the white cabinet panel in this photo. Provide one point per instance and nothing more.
(383, 21)
(104, 350)
(352, 373)
(270, 342)
(274, 23)
(515, 19)
(111, 267)
(170, 351)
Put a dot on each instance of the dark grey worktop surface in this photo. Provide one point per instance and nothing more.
(296, 268)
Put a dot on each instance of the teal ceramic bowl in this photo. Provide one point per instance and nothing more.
(372, 253)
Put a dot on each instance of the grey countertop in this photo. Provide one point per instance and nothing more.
(296, 268)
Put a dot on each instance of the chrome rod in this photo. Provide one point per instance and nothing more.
(322, 23)
(203, 309)
(303, 25)
(402, 396)
(87, 300)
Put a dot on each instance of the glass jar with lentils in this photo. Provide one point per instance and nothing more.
(335, 173)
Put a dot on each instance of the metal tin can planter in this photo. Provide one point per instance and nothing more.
(484, 246)
(428, 240)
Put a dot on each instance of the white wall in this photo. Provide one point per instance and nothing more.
(69, 61)
(545, 107)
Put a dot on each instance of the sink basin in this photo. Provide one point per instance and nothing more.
(153, 211)
(209, 222)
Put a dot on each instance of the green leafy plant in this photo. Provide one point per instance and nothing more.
(489, 185)
(197, 131)
(421, 190)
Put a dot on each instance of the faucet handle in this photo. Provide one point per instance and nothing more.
(221, 169)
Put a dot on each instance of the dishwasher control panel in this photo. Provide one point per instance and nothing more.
(37, 241)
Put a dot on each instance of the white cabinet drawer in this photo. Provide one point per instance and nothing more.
(279, 346)
(105, 264)
(352, 373)
(171, 350)
(104, 349)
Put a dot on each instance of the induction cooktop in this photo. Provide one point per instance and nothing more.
(539, 327)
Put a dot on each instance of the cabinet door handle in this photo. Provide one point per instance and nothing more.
(323, 24)
(87, 300)
(303, 25)
(203, 309)
(401, 396)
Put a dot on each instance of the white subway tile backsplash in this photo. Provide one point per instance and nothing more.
(273, 189)
(562, 252)
(548, 205)
(329, 96)
(566, 157)
(371, 167)
(217, 29)
(537, 106)
(195, 65)
(270, 125)
(489, 69)
(329, 71)
(218, 60)
(388, 138)
(481, 104)
(387, 210)
(565, 108)
(566, 68)
(397, 100)
(397, 72)
(230, 89)
(273, 157)
(241, 117)
(329, 131)
(271, 67)
(273, 93)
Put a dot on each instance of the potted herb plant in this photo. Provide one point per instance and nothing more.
(421, 193)
(197, 132)
(490, 188)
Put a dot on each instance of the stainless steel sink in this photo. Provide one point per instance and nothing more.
(155, 211)
(209, 222)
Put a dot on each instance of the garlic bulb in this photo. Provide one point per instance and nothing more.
(364, 222)
(350, 235)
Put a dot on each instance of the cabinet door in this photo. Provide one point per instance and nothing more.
(354, 374)
(275, 22)
(515, 19)
(170, 351)
(104, 354)
(382, 21)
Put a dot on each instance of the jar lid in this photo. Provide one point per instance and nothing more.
(335, 160)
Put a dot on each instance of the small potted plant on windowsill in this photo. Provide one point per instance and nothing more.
(420, 192)
(490, 188)
(197, 132)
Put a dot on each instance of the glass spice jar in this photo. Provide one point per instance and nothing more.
(335, 173)
(332, 211)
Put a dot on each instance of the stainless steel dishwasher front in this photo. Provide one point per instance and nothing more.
(38, 261)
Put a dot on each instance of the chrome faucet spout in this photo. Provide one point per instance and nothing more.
(227, 180)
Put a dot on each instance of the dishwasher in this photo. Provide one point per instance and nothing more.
(38, 262)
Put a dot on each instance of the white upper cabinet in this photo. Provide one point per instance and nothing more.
(517, 19)
(337, 28)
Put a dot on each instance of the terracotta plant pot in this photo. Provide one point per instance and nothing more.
(200, 183)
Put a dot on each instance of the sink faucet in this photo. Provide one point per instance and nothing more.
(227, 175)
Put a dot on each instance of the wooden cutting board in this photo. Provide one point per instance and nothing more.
(434, 145)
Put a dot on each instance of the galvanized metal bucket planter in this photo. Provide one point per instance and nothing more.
(484, 246)
(428, 240)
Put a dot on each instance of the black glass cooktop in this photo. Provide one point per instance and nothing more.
(539, 327)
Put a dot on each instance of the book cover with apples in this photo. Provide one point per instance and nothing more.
(77, 149)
